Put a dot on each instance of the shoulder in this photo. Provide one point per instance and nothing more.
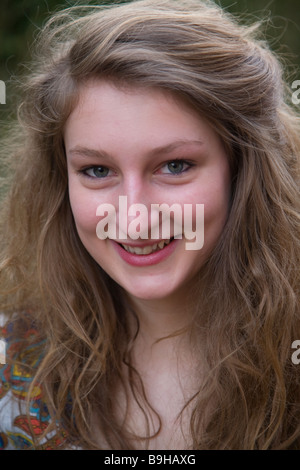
(22, 417)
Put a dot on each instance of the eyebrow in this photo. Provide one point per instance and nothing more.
(93, 153)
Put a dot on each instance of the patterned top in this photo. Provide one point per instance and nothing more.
(17, 429)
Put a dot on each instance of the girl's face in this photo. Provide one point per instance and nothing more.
(151, 147)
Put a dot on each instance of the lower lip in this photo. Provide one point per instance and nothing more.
(145, 260)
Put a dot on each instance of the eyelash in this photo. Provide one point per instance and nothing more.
(189, 164)
(83, 171)
(179, 160)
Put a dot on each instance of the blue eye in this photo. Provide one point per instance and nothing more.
(176, 167)
(97, 171)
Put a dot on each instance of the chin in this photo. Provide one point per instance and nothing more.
(148, 292)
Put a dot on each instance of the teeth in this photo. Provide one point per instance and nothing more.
(146, 250)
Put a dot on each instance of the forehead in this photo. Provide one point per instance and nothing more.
(113, 97)
(109, 112)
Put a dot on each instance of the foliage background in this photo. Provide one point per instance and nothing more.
(20, 20)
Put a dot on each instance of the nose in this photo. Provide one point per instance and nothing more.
(134, 210)
(135, 188)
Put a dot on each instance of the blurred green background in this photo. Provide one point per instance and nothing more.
(20, 20)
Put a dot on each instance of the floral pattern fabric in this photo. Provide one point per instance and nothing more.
(17, 429)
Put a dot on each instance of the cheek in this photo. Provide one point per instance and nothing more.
(216, 210)
(216, 206)
(84, 212)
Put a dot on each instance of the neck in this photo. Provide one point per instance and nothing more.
(165, 359)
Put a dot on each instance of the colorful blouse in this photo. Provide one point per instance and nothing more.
(16, 427)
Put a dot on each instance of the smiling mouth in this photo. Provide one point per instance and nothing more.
(148, 249)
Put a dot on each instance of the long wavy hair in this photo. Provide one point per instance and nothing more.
(247, 302)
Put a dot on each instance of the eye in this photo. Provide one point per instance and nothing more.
(96, 171)
(176, 167)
